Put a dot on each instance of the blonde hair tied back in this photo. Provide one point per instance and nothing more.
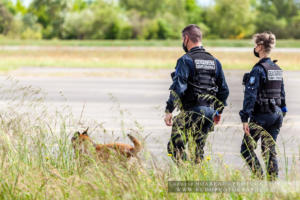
(267, 39)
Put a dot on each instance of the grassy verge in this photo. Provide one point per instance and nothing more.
(144, 58)
(153, 43)
(37, 161)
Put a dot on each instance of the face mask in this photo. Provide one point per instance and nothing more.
(255, 53)
(184, 47)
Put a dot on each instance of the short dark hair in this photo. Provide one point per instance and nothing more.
(194, 33)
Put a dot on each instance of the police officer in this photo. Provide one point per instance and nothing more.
(200, 90)
(264, 104)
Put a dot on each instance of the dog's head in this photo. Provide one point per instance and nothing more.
(80, 138)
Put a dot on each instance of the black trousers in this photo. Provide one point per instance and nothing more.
(265, 126)
(195, 123)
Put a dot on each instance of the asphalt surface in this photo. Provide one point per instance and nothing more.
(143, 101)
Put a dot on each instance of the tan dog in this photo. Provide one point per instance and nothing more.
(82, 143)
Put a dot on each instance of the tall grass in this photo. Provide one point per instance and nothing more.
(37, 160)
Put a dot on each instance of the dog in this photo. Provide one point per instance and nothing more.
(82, 144)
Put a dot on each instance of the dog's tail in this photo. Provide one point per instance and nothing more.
(137, 144)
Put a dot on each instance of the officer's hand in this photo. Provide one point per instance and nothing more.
(217, 119)
(168, 119)
(246, 128)
(284, 111)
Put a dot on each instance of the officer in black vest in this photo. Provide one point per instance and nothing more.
(200, 91)
(264, 104)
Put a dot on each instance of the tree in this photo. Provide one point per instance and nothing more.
(277, 16)
(20, 8)
(145, 7)
(295, 26)
(6, 19)
(193, 11)
(8, 4)
(79, 5)
(50, 14)
(231, 19)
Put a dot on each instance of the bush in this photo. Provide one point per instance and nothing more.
(126, 32)
(159, 29)
(150, 30)
(108, 21)
(31, 34)
(113, 31)
(25, 27)
(78, 25)
(164, 30)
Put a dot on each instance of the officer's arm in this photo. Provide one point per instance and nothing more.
(223, 90)
(170, 103)
(250, 95)
(179, 84)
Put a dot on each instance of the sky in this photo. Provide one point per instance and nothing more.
(202, 2)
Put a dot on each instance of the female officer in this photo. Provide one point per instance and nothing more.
(264, 104)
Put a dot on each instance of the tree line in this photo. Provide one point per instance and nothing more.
(147, 19)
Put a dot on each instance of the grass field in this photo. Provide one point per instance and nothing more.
(37, 161)
(141, 43)
(134, 57)
(152, 54)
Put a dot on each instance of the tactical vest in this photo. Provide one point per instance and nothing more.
(202, 82)
(270, 93)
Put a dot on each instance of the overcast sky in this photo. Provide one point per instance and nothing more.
(202, 2)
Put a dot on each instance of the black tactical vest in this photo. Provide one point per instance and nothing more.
(202, 82)
(270, 93)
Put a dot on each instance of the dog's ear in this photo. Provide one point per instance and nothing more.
(85, 132)
(76, 133)
(75, 136)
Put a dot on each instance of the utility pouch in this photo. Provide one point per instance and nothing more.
(264, 106)
(272, 105)
(278, 102)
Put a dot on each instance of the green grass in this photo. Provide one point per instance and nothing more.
(141, 43)
(37, 160)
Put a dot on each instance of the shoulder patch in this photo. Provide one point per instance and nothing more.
(252, 80)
